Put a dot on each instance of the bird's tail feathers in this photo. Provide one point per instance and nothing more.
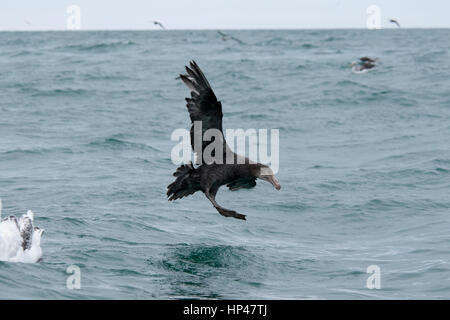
(184, 169)
(184, 184)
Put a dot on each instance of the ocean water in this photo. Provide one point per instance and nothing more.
(85, 126)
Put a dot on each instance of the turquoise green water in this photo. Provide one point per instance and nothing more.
(85, 125)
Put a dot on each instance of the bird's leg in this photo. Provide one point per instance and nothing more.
(229, 213)
(223, 211)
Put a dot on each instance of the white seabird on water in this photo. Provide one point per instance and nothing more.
(20, 240)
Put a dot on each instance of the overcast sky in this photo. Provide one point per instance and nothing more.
(221, 14)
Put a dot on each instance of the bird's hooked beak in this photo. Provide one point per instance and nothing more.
(272, 180)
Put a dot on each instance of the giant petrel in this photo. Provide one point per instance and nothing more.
(226, 168)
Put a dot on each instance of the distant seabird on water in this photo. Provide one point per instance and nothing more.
(20, 240)
(363, 65)
(209, 176)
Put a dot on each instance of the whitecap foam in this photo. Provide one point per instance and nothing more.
(20, 240)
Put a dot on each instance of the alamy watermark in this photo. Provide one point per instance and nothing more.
(73, 21)
(374, 19)
(235, 142)
(374, 280)
(74, 280)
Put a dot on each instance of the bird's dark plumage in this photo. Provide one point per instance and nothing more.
(157, 23)
(367, 59)
(202, 105)
(395, 21)
(364, 64)
(208, 177)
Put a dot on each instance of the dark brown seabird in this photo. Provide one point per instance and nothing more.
(364, 63)
(394, 21)
(208, 177)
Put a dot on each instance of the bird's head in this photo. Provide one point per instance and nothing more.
(265, 173)
(37, 235)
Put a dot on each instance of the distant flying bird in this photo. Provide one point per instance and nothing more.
(159, 24)
(395, 21)
(28, 22)
(226, 37)
(209, 176)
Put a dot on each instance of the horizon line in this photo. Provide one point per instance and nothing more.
(216, 29)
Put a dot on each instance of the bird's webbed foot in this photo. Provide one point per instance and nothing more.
(222, 210)
(230, 213)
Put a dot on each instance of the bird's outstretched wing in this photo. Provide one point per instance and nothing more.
(395, 21)
(226, 37)
(157, 23)
(237, 40)
(203, 107)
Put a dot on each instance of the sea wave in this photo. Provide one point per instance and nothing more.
(100, 47)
